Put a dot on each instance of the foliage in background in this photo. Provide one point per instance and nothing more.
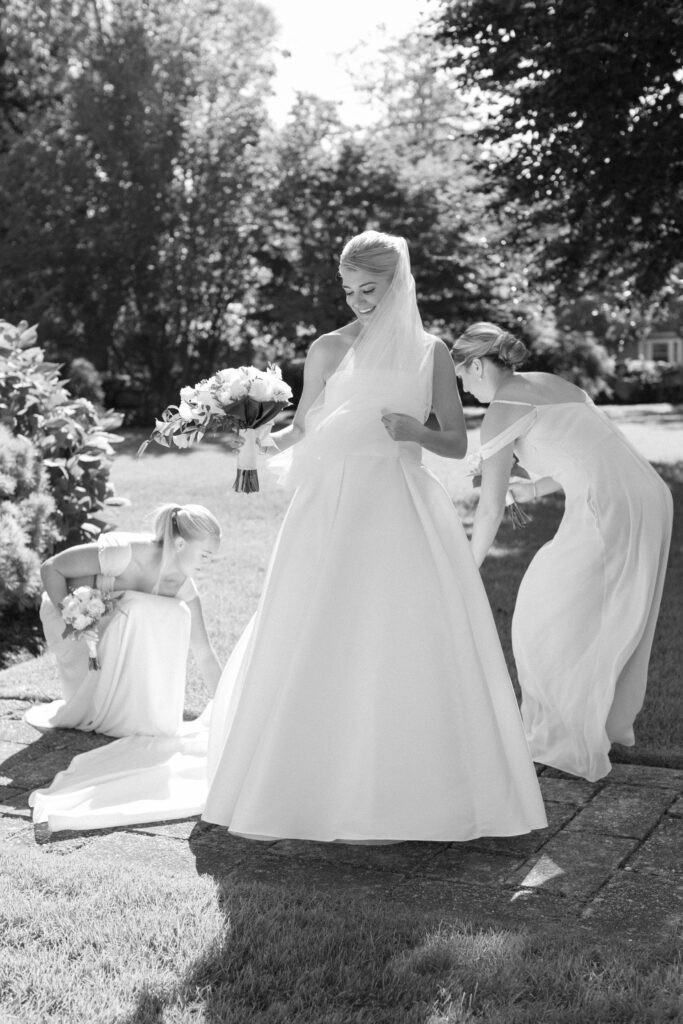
(127, 206)
(584, 130)
(71, 437)
(27, 521)
(154, 222)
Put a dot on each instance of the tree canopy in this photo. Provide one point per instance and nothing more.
(584, 130)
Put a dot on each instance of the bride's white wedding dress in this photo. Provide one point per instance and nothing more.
(368, 699)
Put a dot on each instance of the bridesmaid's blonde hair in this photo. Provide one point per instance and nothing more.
(190, 522)
(372, 251)
(486, 340)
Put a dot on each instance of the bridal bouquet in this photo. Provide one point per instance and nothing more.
(239, 399)
(82, 610)
(518, 516)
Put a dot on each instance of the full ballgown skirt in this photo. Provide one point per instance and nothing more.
(587, 606)
(369, 698)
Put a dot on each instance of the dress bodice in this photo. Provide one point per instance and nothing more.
(573, 442)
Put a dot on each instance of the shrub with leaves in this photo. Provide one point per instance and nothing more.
(27, 521)
(72, 438)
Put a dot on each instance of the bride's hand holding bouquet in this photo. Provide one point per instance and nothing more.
(239, 400)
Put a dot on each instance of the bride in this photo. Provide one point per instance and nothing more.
(368, 698)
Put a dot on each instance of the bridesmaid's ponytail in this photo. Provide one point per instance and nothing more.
(187, 521)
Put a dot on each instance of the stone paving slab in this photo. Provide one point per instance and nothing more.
(676, 807)
(662, 852)
(622, 810)
(575, 864)
(558, 815)
(559, 787)
(15, 730)
(645, 775)
(633, 908)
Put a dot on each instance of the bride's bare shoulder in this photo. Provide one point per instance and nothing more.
(330, 348)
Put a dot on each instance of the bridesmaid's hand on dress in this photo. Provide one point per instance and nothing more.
(401, 427)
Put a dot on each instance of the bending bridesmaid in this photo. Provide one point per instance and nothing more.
(143, 647)
(587, 606)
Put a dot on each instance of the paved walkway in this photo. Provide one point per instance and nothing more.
(611, 857)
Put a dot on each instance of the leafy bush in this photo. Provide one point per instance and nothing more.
(577, 357)
(71, 437)
(27, 521)
(643, 380)
(85, 382)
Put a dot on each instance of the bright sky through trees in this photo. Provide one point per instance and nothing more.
(316, 33)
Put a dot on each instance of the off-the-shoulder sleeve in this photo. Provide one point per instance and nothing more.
(114, 552)
(512, 433)
(188, 590)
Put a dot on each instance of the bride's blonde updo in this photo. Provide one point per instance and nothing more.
(485, 340)
(372, 251)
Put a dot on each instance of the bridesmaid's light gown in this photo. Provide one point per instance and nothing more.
(158, 769)
(587, 606)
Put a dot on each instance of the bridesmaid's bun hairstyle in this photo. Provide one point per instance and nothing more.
(511, 351)
(372, 251)
(187, 521)
(486, 340)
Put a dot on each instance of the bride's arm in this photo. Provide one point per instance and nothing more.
(320, 362)
(450, 440)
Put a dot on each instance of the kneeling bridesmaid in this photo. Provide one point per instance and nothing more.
(154, 617)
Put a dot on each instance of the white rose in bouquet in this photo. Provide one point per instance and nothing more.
(260, 390)
(186, 412)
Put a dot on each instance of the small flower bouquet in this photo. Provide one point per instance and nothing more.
(82, 610)
(241, 399)
(517, 515)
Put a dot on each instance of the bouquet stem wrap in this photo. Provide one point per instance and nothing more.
(91, 638)
(247, 476)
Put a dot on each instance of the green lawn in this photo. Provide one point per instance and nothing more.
(105, 942)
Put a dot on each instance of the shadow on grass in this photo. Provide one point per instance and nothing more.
(375, 947)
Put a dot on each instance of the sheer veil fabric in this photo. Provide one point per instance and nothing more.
(389, 364)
